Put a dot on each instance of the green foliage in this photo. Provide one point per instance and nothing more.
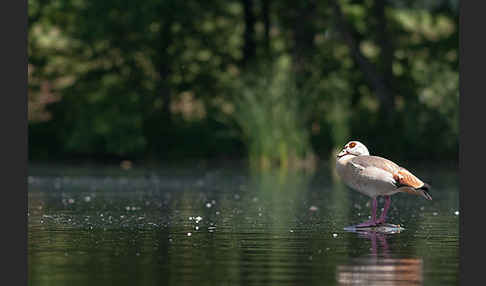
(269, 111)
(155, 79)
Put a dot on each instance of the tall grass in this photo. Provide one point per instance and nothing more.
(271, 114)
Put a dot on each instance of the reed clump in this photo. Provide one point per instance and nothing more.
(271, 114)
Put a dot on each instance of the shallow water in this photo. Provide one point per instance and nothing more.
(227, 226)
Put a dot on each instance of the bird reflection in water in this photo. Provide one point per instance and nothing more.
(379, 268)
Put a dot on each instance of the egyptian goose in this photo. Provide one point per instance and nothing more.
(376, 176)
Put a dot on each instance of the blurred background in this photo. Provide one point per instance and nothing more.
(188, 93)
(275, 83)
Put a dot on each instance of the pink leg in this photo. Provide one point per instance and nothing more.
(385, 210)
(371, 222)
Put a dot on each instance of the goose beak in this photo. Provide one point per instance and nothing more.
(342, 153)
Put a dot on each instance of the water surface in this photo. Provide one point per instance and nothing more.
(227, 226)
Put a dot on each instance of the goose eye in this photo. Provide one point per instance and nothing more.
(351, 145)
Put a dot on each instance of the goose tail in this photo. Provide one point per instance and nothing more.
(424, 191)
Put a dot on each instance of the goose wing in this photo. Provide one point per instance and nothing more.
(402, 176)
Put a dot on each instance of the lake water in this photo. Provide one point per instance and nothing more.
(228, 226)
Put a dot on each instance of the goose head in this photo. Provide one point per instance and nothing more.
(355, 148)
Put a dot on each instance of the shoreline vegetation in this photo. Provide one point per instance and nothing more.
(273, 84)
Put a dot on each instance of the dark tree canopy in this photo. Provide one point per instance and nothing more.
(279, 80)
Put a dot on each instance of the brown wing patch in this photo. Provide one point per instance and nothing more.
(404, 177)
